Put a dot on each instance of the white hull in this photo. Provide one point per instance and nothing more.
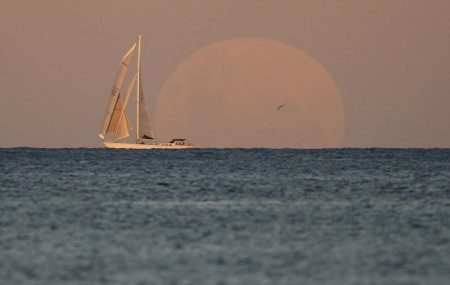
(163, 145)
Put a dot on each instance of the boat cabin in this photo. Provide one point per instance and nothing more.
(178, 141)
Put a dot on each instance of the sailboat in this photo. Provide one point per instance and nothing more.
(117, 121)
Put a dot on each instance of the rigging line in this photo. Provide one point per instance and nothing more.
(110, 119)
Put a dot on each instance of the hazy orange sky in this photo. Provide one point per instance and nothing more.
(389, 59)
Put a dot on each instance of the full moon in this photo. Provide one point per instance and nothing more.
(251, 93)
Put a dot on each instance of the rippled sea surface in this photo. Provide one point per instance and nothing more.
(233, 216)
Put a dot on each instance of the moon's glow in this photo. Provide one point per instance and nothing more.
(228, 94)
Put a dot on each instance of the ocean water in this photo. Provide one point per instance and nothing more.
(231, 216)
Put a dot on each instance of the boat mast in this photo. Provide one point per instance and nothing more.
(138, 85)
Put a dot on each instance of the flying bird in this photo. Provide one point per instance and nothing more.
(279, 107)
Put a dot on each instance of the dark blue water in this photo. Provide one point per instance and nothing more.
(236, 216)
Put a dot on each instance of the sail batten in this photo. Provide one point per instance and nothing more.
(115, 93)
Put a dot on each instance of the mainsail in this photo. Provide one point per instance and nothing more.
(145, 128)
(122, 128)
(124, 124)
(115, 96)
(116, 117)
